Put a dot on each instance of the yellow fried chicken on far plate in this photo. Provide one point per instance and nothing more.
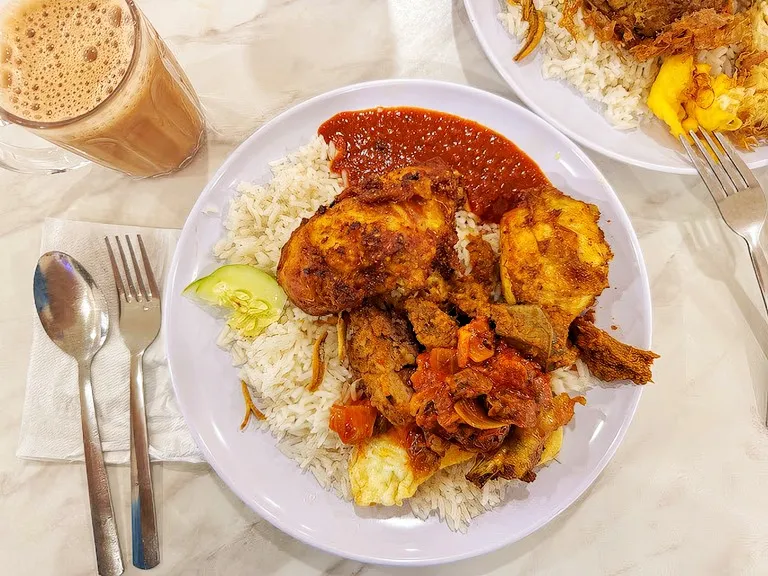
(554, 254)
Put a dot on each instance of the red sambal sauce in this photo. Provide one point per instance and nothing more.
(495, 172)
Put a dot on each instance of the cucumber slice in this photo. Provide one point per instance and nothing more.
(249, 297)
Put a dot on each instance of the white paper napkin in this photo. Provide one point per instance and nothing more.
(50, 424)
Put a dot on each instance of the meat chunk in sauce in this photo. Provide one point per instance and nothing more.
(433, 327)
(380, 349)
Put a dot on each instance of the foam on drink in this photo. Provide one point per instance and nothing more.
(60, 58)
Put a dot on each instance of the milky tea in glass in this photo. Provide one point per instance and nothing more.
(94, 77)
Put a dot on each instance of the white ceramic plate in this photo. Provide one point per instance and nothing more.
(649, 146)
(207, 387)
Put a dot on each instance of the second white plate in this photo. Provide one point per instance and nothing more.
(562, 106)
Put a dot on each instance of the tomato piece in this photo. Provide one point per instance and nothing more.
(353, 422)
(443, 360)
(476, 342)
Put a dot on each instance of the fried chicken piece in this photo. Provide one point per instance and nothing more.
(433, 327)
(553, 253)
(380, 349)
(387, 234)
(521, 451)
(483, 262)
(609, 359)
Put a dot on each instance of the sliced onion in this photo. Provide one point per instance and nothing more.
(318, 363)
(473, 414)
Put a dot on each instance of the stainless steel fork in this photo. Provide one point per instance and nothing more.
(738, 195)
(139, 326)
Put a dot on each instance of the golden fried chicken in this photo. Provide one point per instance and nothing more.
(389, 233)
(609, 359)
(380, 349)
(433, 327)
(554, 254)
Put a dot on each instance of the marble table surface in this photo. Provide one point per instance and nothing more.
(687, 492)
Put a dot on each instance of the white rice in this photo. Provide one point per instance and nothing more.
(277, 365)
(601, 71)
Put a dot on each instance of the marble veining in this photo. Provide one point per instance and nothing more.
(685, 493)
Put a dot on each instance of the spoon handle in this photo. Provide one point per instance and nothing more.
(146, 549)
(105, 538)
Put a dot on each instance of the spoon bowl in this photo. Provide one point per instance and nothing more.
(72, 309)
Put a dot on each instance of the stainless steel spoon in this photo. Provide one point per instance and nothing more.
(74, 314)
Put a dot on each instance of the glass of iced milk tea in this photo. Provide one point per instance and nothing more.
(93, 77)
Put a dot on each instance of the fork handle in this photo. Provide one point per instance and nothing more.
(108, 560)
(760, 264)
(146, 549)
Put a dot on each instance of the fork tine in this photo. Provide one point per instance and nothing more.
(136, 269)
(737, 160)
(725, 181)
(131, 288)
(706, 173)
(154, 290)
(115, 270)
(739, 183)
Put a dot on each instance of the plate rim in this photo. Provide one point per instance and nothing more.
(188, 230)
(689, 170)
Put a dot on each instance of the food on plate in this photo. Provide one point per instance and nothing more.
(554, 255)
(535, 21)
(523, 449)
(380, 347)
(249, 297)
(693, 65)
(250, 407)
(686, 96)
(525, 327)
(383, 471)
(609, 359)
(494, 172)
(433, 327)
(649, 28)
(386, 233)
(394, 234)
